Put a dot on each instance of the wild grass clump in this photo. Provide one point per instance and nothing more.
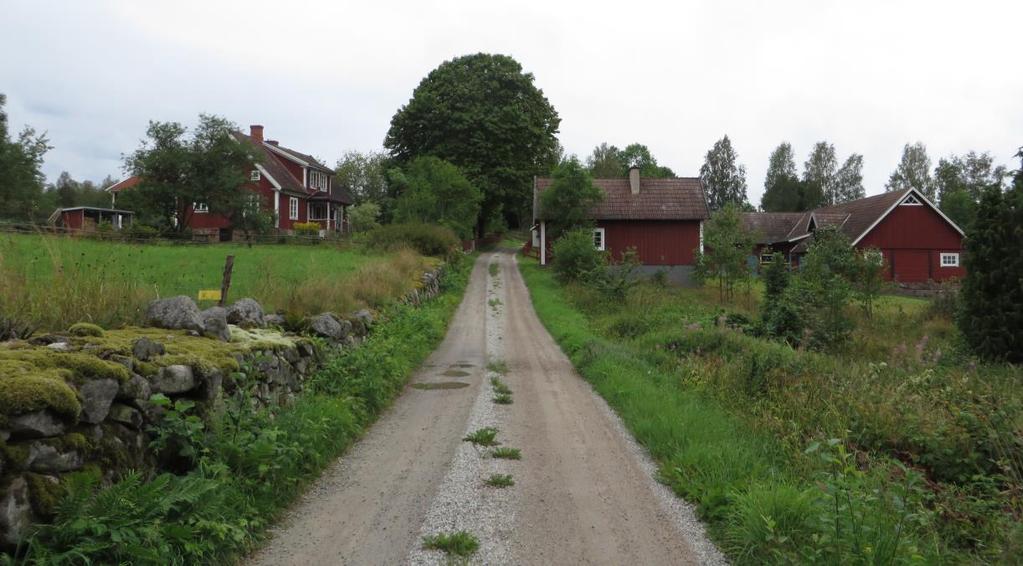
(498, 366)
(486, 436)
(427, 239)
(500, 480)
(503, 399)
(506, 453)
(459, 543)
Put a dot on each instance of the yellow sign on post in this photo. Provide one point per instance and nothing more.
(209, 295)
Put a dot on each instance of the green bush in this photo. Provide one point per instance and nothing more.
(427, 239)
(136, 231)
(575, 256)
(85, 329)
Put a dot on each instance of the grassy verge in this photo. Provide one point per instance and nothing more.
(773, 445)
(250, 464)
(54, 281)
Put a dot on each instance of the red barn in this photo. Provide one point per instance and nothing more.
(918, 241)
(294, 185)
(661, 218)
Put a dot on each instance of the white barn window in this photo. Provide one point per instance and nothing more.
(293, 208)
(950, 260)
(598, 239)
(254, 175)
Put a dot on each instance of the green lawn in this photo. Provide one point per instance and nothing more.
(54, 281)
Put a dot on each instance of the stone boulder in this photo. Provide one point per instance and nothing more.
(97, 395)
(145, 349)
(135, 389)
(126, 415)
(59, 347)
(329, 326)
(173, 379)
(15, 512)
(214, 323)
(274, 319)
(365, 317)
(246, 313)
(47, 458)
(36, 424)
(176, 313)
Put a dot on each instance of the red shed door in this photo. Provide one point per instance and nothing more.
(912, 266)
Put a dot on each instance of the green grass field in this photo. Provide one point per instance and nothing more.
(896, 448)
(54, 281)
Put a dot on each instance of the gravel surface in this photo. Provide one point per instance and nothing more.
(585, 492)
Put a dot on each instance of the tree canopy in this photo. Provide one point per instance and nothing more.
(566, 203)
(783, 191)
(821, 170)
(21, 180)
(849, 180)
(727, 245)
(723, 178)
(961, 180)
(483, 114)
(434, 191)
(608, 161)
(176, 170)
(913, 171)
(365, 177)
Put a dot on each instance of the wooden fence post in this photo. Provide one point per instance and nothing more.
(226, 283)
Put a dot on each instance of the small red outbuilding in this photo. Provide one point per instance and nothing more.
(662, 219)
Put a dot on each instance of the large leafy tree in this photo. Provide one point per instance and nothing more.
(849, 180)
(723, 178)
(483, 114)
(606, 162)
(209, 166)
(992, 291)
(67, 192)
(913, 171)
(821, 170)
(365, 177)
(21, 180)
(566, 203)
(783, 191)
(961, 180)
(435, 191)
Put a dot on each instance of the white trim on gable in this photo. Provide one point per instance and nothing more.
(283, 153)
(276, 185)
(919, 197)
(910, 200)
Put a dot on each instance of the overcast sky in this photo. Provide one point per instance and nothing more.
(325, 77)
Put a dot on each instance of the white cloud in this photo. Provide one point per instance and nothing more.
(327, 76)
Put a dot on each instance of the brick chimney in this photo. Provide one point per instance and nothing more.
(634, 180)
(256, 133)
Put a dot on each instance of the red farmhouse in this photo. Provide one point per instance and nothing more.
(919, 243)
(661, 218)
(295, 186)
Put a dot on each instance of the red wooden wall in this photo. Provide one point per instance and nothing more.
(912, 239)
(658, 242)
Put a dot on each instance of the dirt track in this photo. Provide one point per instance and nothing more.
(583, 495)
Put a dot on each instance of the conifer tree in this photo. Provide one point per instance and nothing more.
(992, 293)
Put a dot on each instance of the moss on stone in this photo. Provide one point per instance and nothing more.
(85, 329)
(83, 367)
(43, 493)
(14, 454)
(21, 394)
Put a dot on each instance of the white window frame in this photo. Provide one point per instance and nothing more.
(200, 207)
(318, 180)
(766, 258)
(603, 239)
(255, 175)
(292, 208)
(952, 256)
(911, 200)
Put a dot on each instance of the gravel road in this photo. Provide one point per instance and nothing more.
(584, 491)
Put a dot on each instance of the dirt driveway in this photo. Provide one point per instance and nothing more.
(584, 493)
